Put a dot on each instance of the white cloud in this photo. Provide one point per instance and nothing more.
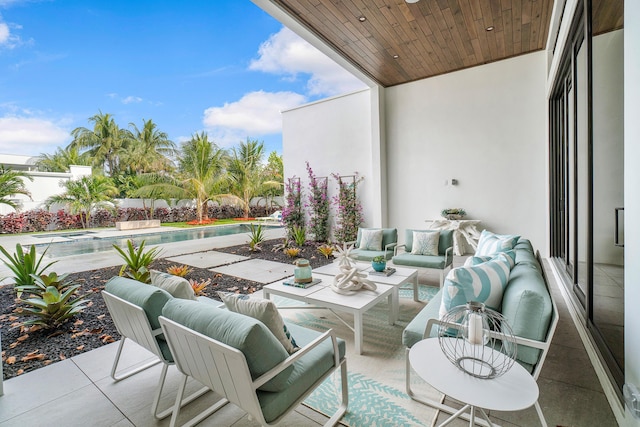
(285, 53)
(31, 136)
(256, 113)
(131, 100)
(4, 33)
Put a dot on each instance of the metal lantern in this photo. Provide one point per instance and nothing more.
(477, 340)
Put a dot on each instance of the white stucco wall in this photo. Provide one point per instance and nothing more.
(334, 136)
(632, 195)
(485, 127)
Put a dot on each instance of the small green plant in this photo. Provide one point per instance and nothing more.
(379, 258)
(179, 270)
(43, 281)
(52, 308)
(25, 265)
(326, 250)
(199, 286)
(299, 235)
(256, 237)
(292, 252)
(137, 261)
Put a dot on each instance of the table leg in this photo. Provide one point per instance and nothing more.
(416, 297)
(454, 416)
(357, 331)
(394, 304)
(266, 293)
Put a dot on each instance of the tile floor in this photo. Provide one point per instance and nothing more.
(80, 392)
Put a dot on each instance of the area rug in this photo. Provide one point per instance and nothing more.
(377, 395)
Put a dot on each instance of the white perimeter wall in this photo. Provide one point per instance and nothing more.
(334, 136)
(631, 194)
(484, 126)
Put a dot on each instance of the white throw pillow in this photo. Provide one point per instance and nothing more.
(490, 243)
(483, 283)
(263, 310)
(425, 243)
(178, 287)
(370, 240)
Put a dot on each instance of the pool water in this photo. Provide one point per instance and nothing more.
(86, 245)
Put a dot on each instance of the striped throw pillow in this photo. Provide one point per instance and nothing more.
(489, 243)
(483, 283)
(510, 256)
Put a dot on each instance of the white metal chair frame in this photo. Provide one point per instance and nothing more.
(132, 323)
(542, 345)
(224, 370)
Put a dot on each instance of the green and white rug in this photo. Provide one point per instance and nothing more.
(377, 395)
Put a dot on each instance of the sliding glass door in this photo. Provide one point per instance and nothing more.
(586, 168)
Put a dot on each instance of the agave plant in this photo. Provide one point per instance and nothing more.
(53, 308)
(256, 237)
(299, 235)
(43, 281)
(137, 261)
(25, 265)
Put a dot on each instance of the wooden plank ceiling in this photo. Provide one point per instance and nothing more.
(396, 42)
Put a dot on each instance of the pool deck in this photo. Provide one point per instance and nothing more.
(92, 261)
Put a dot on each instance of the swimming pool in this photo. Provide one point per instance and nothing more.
(90, 244)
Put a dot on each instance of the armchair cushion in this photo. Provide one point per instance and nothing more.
(425, 243)
(265, 311)
(491, 243)
(259, 346)
(151, 299)
(484, 283)
(371, 240)
(421, 261)
(306, 371)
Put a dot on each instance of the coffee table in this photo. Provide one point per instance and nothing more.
(515, 390)
(401, 277)
(322, 296)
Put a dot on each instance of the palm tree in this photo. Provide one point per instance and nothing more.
(147, 149)
(103, 143)
(11, 183)
(62, 159)
(246, 172)
(83, 195)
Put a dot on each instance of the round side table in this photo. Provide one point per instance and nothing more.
(513, 391)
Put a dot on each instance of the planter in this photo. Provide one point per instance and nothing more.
(379, 266)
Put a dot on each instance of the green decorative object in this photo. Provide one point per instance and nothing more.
(453, 213)
(302, 272)
(379, 263)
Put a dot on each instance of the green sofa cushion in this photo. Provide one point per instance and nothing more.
(259, 346)
(423, 261)
(527, 307)
(364, 255)
(150, 298)
(306, 371)
(415, 329)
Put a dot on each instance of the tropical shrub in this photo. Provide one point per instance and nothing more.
(43, 281)
(299, 235)
(292, 252)
(318, 203)
(137, 261)
(326, 250)
(256, 237)
(52, 308)
(292, 214)
(179, 270)
(25, 266)
(199, 286)
(349, 209)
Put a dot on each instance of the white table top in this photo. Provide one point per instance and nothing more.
(401, 275)
(513, 391)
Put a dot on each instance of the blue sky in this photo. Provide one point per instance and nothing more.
(223, 66)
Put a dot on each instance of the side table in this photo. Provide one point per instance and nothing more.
(465, 233)
(515, 390)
